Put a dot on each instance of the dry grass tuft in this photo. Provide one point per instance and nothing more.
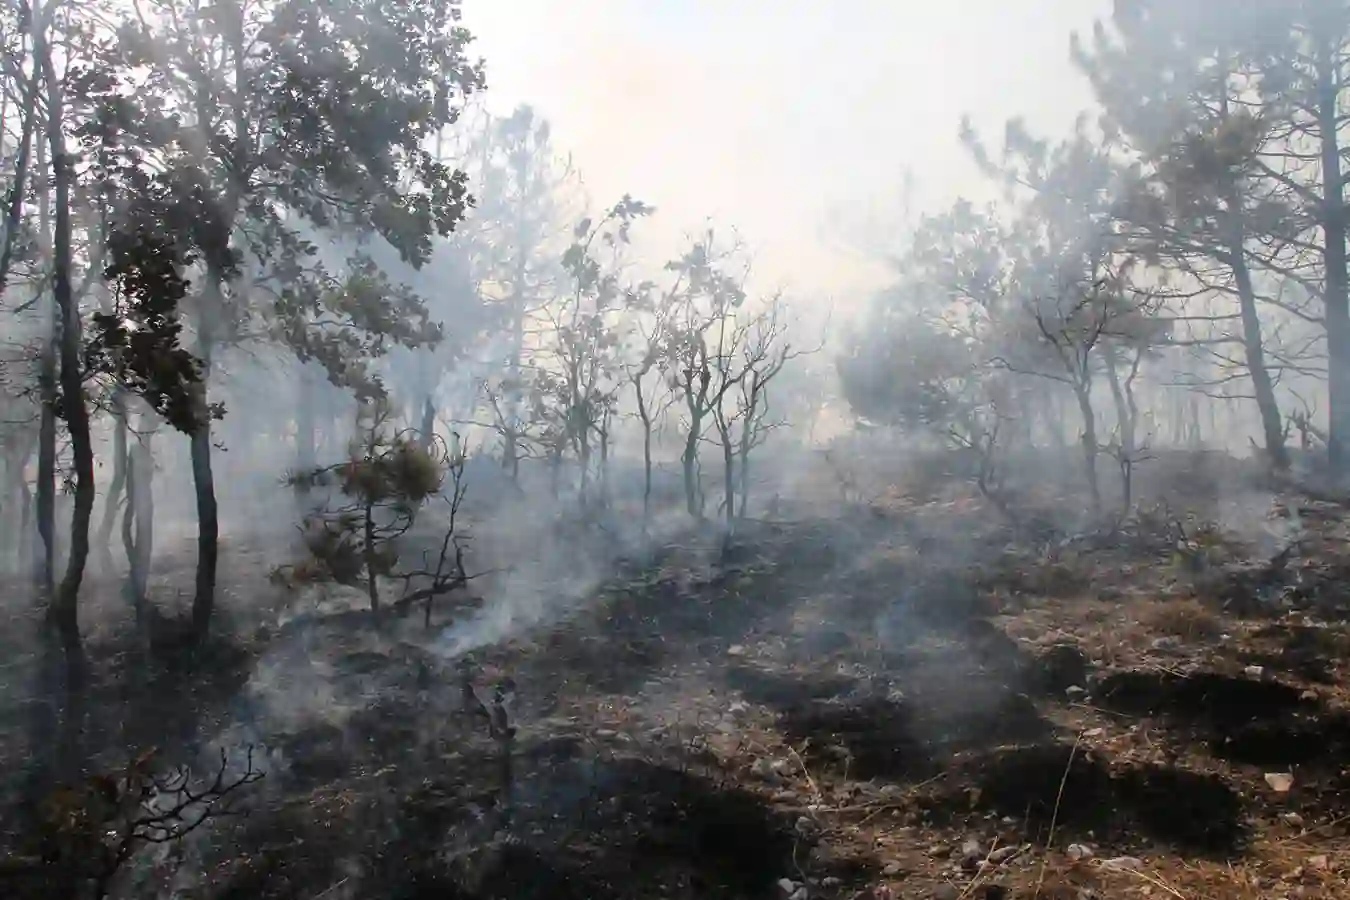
(1188, 619)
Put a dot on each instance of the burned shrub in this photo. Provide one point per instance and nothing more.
(87, 833)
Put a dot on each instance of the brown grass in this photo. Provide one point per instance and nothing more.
(1185, 618)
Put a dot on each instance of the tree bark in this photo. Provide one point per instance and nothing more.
(1337, 305)
(1124, 420)
(208, 532)
(688, 463)
(203, 475)
(119, 479)
(645, 416)
(65, 611)
(14, 210)
(137, 522)
(1272, 424)
(1089, 444)
(47, 395)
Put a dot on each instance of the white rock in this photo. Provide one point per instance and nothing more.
(787, 886)
(1079, 852)
(1280, 782)
(1255, 671)
(736, 650)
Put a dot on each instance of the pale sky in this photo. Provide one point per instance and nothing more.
(774, 115)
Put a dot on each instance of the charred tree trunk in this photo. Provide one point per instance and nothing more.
(204, 488)
(743, 460)
(728, 475)
(645, 417)
(119, 480)
(46, 474)
(65, 611)
(14, 208)
(138, 517)
(1082, 393)
(1332, 215)
(47, 395)
(1124, 417)
(1272, 424)
(24, 548)
(372, 583)
(689, 464)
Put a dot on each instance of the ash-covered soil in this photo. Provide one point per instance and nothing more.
(837, 706)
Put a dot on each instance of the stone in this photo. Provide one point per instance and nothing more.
(1124, 863)
(1280, 782)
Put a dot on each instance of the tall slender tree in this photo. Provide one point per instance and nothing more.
(279, 112)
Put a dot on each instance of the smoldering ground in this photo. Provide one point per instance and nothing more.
(386, 517)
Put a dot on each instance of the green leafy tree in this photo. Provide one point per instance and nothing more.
(1174, 81)
(286, 117)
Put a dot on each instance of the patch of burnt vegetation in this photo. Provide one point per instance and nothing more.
(502, 870)
(913, 738)
(1309, 667)
(1059, 668)
(578, 828)
(780, 691)
(1304, 651)
(1210, 699)
(1053, 786)
(647, 620)
(1257, 722)
(629, 827)
(715, 841)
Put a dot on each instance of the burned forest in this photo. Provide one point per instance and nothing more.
(467, 450)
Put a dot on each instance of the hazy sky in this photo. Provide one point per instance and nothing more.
(778, 116)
